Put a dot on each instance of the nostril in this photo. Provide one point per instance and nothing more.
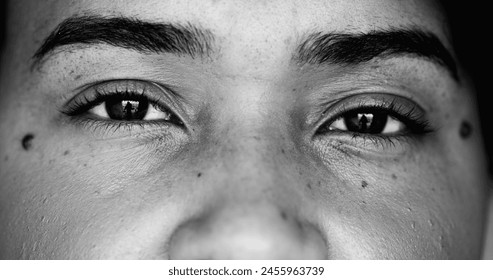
(247, 233)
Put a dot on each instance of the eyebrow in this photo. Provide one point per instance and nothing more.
(128, 33)
(354, 49)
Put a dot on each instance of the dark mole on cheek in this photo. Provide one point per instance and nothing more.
(465, 129)
(364, 184)
(199, 174)
(27, 141)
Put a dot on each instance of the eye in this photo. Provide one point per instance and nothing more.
(130, 108)
(125, 102)
(368, 121)
(374, 122)
(381, 116)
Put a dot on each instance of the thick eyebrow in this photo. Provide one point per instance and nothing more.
(353, 49)
(129, 33)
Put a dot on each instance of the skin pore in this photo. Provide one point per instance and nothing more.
(247, 148)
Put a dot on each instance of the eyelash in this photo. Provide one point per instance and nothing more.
(415, 122)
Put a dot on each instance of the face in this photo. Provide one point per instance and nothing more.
(267, 130)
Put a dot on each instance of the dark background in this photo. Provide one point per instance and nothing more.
(470, 32)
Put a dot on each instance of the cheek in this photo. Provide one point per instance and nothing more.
(400, 212)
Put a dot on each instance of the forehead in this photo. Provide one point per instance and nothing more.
(253, 22)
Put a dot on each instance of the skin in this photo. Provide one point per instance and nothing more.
(247, 178)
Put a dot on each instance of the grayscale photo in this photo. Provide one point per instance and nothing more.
(244, 130)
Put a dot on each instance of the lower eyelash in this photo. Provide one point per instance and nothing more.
(383, 141)
(105, 128)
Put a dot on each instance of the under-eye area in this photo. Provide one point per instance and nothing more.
(374, 122)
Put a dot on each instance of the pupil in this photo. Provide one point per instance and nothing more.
(130, 109)
(369, 122)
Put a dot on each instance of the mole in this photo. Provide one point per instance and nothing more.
(364, 184)
(283, 215)
(199, 174)
(27, 141)
(465, 130)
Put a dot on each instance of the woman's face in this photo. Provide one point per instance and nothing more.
(245, 129)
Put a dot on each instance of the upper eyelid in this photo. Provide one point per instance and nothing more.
(384, 101)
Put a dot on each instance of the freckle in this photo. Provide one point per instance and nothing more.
(66, 152)
(77, 77)
(85, 164)
(309, 186)
(465, 129)
(27, 141)
(364, 184)
(284, 216)
(199, 174)
(6, 158)
(394, 176)
(283, 151)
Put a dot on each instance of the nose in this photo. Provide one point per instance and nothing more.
(247, 232)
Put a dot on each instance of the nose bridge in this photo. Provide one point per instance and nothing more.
(254, 123)
(257, 157)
